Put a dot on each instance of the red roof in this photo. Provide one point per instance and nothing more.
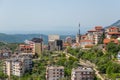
(66, 44)
(98, 27)
(113, 33)
(113, 27)
(92, 31)
(106, 41)
(86, 41)
(26, 46)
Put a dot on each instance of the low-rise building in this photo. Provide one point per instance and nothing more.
(54, 72)
(82, 73)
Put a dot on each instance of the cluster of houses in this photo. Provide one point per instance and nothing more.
(21, 61)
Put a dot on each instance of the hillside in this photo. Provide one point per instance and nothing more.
(117, 24)
(20, 38)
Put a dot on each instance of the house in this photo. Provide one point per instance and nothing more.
(91, 38)
(112, 32)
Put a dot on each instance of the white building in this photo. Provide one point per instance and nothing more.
(54, 73)
(17, 65)
(52, 38)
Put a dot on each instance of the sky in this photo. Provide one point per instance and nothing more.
(56, 16)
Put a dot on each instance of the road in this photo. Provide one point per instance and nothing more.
(87, 64)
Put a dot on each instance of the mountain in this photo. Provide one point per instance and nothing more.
(20, 38)
(117, 24)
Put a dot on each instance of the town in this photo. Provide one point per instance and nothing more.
(91, 56)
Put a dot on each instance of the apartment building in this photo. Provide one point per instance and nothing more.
(82, 73)
(95, 34)
(54, 72)
(25, 48)
(17, 65)
(34, 46)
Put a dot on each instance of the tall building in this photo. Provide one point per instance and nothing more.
(17, 65)
(82, 73)
(38, 45)
(54, 42)
(54, 72)
(52, 38)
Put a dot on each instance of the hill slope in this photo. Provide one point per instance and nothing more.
(117, 24)
(20, 38)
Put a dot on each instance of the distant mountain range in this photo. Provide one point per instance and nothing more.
(20, 38)
(117, 24)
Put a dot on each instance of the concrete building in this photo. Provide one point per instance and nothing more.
(25, 48)
(54, 43)
(17, 65)
(96, 34)
(82, 73)
(34, 46)
(38, 45)
(54, 73)
(52, 38)
(91, 38)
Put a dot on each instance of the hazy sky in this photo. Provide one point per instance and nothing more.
(56, 16)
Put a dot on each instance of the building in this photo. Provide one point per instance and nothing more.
(106, 41)
(34, 46)
(95, 34)
(68, 40)
(38, 45)
(82, 73)
(92, 37)
(54, 43)
(52, 38)
(112, 32)
(5, 53)
(86, 43)
(17, 65)
(54, 72)
(25, 48)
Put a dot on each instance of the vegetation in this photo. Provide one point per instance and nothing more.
(46, 59)
(104, 61)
